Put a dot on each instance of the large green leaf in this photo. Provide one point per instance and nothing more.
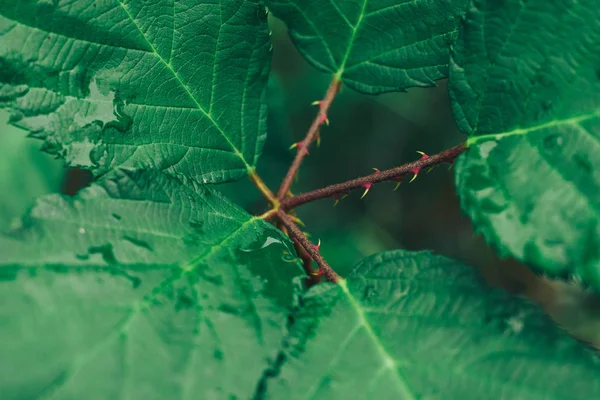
(173, 85)
(409, 325)
(25, 172)
(525, 84)
(140, 288)
(374, 45)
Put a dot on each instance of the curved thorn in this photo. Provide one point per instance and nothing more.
(365, 193)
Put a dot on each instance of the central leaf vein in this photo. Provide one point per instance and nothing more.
(139, 308)
(185, 87)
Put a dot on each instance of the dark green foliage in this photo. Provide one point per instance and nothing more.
(151, 284)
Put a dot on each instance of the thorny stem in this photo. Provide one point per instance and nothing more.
(296, 234)
(379, 176)
(311, 135)
(313, 275)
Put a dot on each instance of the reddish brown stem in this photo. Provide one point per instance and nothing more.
(313, 274)
(311, 135)
(296, 234)
(307, 265)
(379, 176)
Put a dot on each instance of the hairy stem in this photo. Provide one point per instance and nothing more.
(296, 234)
(311, 135)
(388, 175)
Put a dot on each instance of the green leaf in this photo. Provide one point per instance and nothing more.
(141, 288)
(177, 86)
(374, 46)
(412, 325)
(525, 85)
(20, 157)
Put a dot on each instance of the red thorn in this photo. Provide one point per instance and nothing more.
(300, 146)
(339, 196)
(323, 117)
(367, 187)
(416, 170)
(398, 182)
(323, 120)
(318, 273)
(317, 246)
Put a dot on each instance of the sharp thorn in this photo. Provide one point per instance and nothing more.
(365, 193)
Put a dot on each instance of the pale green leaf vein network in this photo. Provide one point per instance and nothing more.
(372, 60)
(390, 7)
(64, 35)
(352, 38)
(547, 125)
(502, 48)
(142, 305)
(314, 27)
(388, 362)
(185, 87)
(334, 360)
(338, 9)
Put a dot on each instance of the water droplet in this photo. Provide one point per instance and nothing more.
(526, 213)
(197, 226)
(369, 292)
(553, 142)
(106, 251)
(493, 203)
(183, 301)
(228, 309)
(547, 104)
(135, 281)
(268, 242)
(82, 231)
(138, 242)
(123, 122)
(214, 279)
(583, 162)
(8, 273)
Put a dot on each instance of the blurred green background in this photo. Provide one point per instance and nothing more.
(366, 132)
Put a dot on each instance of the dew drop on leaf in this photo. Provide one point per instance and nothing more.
(553, 142)
(138, 242)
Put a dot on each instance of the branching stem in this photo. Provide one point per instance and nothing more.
(311, 135)
(380, 176)
(296, 234)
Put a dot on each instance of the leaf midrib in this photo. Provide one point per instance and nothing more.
(186, 88)
(388, 362)
(355, 28)
(546, 125)
(139, 307)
